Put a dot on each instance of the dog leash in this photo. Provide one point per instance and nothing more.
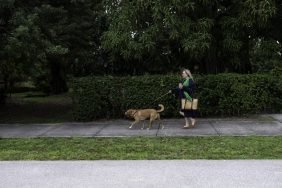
(162, 96)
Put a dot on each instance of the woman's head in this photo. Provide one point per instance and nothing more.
(186, 73)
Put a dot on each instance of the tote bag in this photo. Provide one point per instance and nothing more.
(189, 105)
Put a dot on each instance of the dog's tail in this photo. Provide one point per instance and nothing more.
(162, 108)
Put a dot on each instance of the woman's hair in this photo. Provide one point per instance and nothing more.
(187, 71)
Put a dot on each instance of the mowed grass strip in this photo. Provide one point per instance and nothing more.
(141, 148)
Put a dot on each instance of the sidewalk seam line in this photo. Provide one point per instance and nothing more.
(158, 130)
(50, 129)
(212, 125)
(98, 132)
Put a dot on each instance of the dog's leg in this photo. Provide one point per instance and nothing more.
(136, 121)
(150, 124)
(143, 125)
(152, 118)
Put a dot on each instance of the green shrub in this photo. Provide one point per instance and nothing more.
(275, 89)
(222, 94)
(110, 97)
(229, 94)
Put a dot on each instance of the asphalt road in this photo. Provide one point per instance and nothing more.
(141, 174)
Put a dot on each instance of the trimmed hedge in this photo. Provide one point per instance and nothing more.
(221, 94)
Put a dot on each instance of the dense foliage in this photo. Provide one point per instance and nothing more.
(222, 94)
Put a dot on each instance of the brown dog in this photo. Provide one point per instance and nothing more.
(142, 114)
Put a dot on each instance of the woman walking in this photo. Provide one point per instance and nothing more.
(185, 90)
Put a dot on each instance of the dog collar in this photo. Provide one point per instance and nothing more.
(134, 113)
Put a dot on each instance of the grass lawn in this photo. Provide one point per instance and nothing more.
(34, 107)
(253, 147)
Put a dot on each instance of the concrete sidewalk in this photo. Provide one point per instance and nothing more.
(265, 125)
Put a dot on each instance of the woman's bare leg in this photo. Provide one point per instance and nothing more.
(193, 121)
(186, 123)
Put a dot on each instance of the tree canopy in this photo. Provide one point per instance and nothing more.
(48, 41)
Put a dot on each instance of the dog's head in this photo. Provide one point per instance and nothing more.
(129, 113)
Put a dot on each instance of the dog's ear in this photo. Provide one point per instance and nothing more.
(131, 112)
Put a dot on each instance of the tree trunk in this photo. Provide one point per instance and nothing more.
(58, 78)
(244, 55)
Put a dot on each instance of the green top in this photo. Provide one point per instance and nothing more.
(186, 84)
